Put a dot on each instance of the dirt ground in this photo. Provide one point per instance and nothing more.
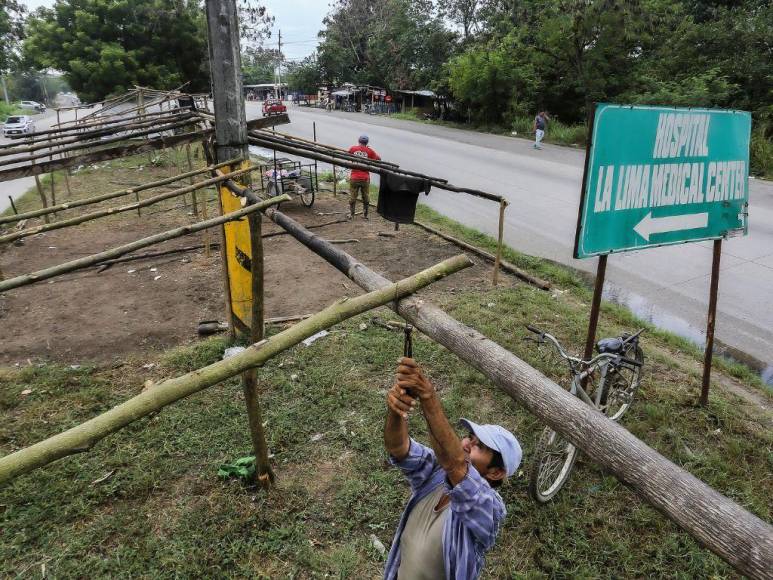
(156, 303)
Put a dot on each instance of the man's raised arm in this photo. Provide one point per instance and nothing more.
(445, 442)
(396, 439)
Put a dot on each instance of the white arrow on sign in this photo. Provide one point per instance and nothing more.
(649, 225)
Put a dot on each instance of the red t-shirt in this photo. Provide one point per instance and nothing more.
(362, 151)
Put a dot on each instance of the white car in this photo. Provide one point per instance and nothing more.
(18, 125)
(34, 105)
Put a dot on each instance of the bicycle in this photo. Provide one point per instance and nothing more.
(616, 373)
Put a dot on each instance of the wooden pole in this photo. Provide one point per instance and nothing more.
(13, 206)
(231, 141)
(114, 210)
(194, 201)
(712, 318)
(83, 437)
(316, 173)
(43, 199)
(740, 538)
(263, 472)
(590, 340)
(502, 207)
(87, 261)
(503, 264)
(67, 172)
(112, 194)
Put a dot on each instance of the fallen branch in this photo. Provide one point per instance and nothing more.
(311, 227)
(348, 241)
(83, 437)
(87, 261)
(504, 264)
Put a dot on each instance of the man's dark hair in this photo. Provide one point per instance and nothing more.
(496, 461)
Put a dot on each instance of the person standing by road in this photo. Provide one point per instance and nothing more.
(454, 514)
(360, 180)
(540, 124)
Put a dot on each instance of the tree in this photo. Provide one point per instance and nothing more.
(106, 46)
(388, 43)
(259, 64)
(11, 31)
(304, 76)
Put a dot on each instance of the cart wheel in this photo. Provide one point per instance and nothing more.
(307, 197)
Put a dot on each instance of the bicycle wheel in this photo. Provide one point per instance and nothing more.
(554, 460)
(621, 385)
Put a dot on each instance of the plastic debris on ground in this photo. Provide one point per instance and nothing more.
(244, 468)
(231, 351)
(314, 337)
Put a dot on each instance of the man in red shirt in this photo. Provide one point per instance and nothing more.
(360, 180)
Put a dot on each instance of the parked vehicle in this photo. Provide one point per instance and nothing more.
(273, 107)
(18, 125)
(34, 105)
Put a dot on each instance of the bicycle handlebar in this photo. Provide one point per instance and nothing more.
(571, 359)
(533, 329)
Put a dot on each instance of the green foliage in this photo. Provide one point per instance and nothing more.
(6, 110)
(389, 43)
(107, 46)
(304, 76)
(258, 65)
(11, 31)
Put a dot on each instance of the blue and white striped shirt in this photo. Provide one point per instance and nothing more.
(473, 523)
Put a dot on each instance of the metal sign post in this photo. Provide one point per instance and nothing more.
(657, 176)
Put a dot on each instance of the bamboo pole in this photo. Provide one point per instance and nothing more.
(84, 436)
(121, 150)
(504, 264)
(110, 141)
(264, 474)
(87, 261)
(42, 139)
(43, 199)
(120, 209)
(194, 201)
(334, 159)
(502, 207)
(113, 194)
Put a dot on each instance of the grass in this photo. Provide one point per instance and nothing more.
(162, 511)
(6, 110)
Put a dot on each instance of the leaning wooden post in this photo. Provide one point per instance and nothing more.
(712, 318)
(316, 173)
(595, 306)
(43, 199)
(67, 171)
(263, 472)
(502, 207)
(231, 141)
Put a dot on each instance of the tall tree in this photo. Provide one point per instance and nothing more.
(11, 31)
(106, 46)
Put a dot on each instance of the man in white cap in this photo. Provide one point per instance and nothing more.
(454, 514)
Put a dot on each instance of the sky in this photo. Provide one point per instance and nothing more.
(299, 21)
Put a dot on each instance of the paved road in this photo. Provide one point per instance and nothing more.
(18, 187)
(668, 286)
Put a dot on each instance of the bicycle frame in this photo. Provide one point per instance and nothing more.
(600, 362)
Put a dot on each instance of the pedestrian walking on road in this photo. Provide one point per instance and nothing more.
(360, 180)
(540, 123)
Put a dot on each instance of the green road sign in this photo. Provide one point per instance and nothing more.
(661, 175)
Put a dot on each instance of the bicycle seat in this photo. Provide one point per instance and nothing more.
(610, 345)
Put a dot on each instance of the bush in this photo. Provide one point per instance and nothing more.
(761, 150)
(7, 110)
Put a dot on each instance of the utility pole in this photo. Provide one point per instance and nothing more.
(278, 88)
(231, 142)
